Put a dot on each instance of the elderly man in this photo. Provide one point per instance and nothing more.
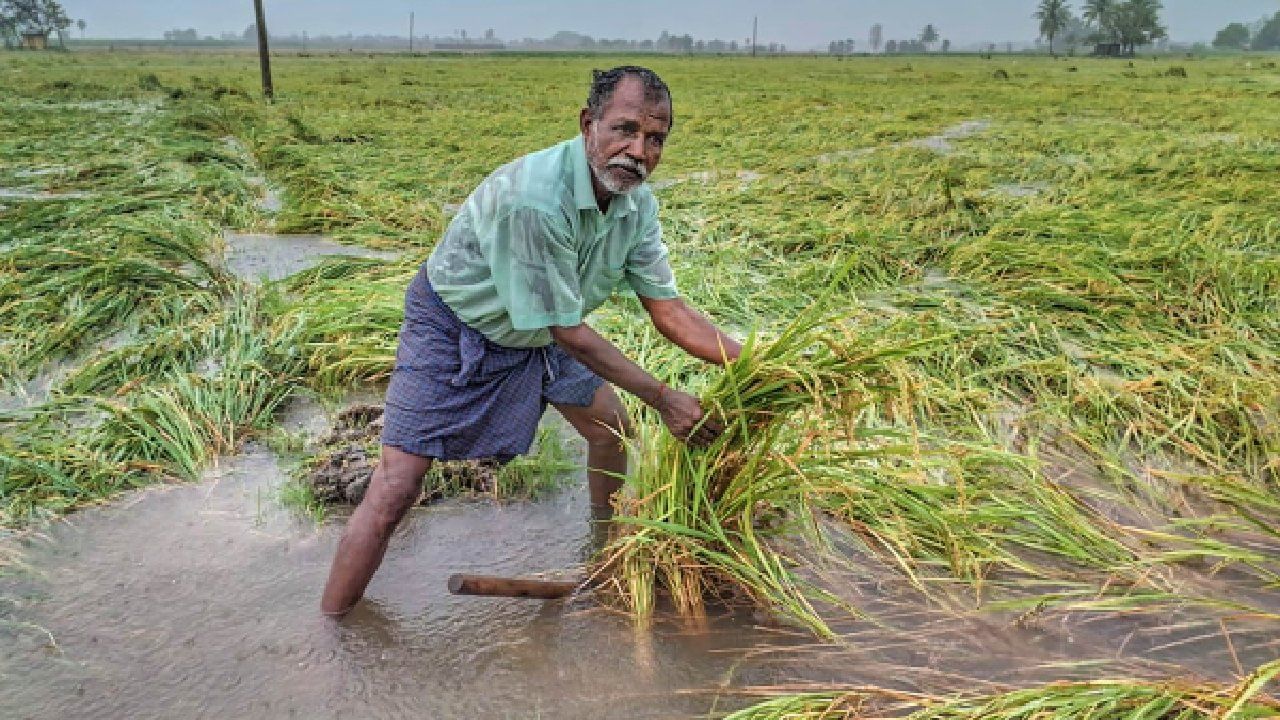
(494, 321)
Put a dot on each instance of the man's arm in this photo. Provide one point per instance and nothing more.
(679, 410)
(691, 330)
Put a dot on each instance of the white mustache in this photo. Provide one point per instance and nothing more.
(629, 164)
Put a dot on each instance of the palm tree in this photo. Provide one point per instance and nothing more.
(1101, 15)
(1054, 15)
(80, 24)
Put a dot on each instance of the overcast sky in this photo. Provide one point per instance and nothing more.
(797, 23)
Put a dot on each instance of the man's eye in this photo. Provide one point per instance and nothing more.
(658, 140)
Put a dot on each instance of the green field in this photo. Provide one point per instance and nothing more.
(1089, 251)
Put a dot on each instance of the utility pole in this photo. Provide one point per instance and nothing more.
(264, 54)
(754, 26)
(411, 32)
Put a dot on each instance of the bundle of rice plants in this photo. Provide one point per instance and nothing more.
(694, 523)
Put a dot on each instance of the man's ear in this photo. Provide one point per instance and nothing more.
(584, 121)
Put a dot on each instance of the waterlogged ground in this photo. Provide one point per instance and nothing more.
(200, 600)
(1095, 240)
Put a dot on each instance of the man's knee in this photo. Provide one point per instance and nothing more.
(609, 429)
(394, 489)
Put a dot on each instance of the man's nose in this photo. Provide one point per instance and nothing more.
(635, 148)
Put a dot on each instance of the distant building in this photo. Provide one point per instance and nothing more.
(35, 40)
(474, 46)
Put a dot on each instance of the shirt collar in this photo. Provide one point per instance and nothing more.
(584, 195)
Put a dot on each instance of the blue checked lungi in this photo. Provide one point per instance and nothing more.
(456, 395)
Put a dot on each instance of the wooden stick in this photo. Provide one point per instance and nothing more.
(463, 584)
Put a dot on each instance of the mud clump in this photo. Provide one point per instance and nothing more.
(345, 460)
(1000, 74)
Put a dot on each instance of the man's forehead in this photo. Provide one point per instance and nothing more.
(632, 97)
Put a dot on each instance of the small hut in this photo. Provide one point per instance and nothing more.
(35, 40)
(1108, 50)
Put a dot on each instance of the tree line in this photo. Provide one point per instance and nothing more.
(460, 39)
(1263, 35)
(926, 42)
(1127, 24)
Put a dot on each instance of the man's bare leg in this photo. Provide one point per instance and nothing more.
(394, 488)
(603, 425)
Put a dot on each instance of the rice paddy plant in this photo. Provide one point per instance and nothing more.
(187, 330)
(348, 313)
(42, 475)
(166, 361)
(693, 513)
(167, 421)
(531, 476)
(178, 424)
(73, 271)
(1110, 699)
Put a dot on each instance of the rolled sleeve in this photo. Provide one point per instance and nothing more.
(648, 271)
(534, 267)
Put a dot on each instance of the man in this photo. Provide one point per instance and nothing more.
(494, 329)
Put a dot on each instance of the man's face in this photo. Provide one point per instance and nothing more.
(625, 143)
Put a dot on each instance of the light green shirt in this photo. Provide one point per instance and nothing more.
(530, 249)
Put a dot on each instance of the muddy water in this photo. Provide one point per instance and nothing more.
(200, 601)
(259, 256)
(940, 143)
(8, 193)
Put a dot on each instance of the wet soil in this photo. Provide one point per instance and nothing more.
(9, 193)
(342, 463)
(940, 143)
(263, 256)
(1020, 190)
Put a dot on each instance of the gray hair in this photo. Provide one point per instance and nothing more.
(604, 82)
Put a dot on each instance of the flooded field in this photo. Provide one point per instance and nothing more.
(201, 599)
(1011, 415)
(255, 257)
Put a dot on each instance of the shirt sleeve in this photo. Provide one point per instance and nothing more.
(647, 269)
(535, 269)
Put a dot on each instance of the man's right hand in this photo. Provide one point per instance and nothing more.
(682, 414)
(680, 411)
